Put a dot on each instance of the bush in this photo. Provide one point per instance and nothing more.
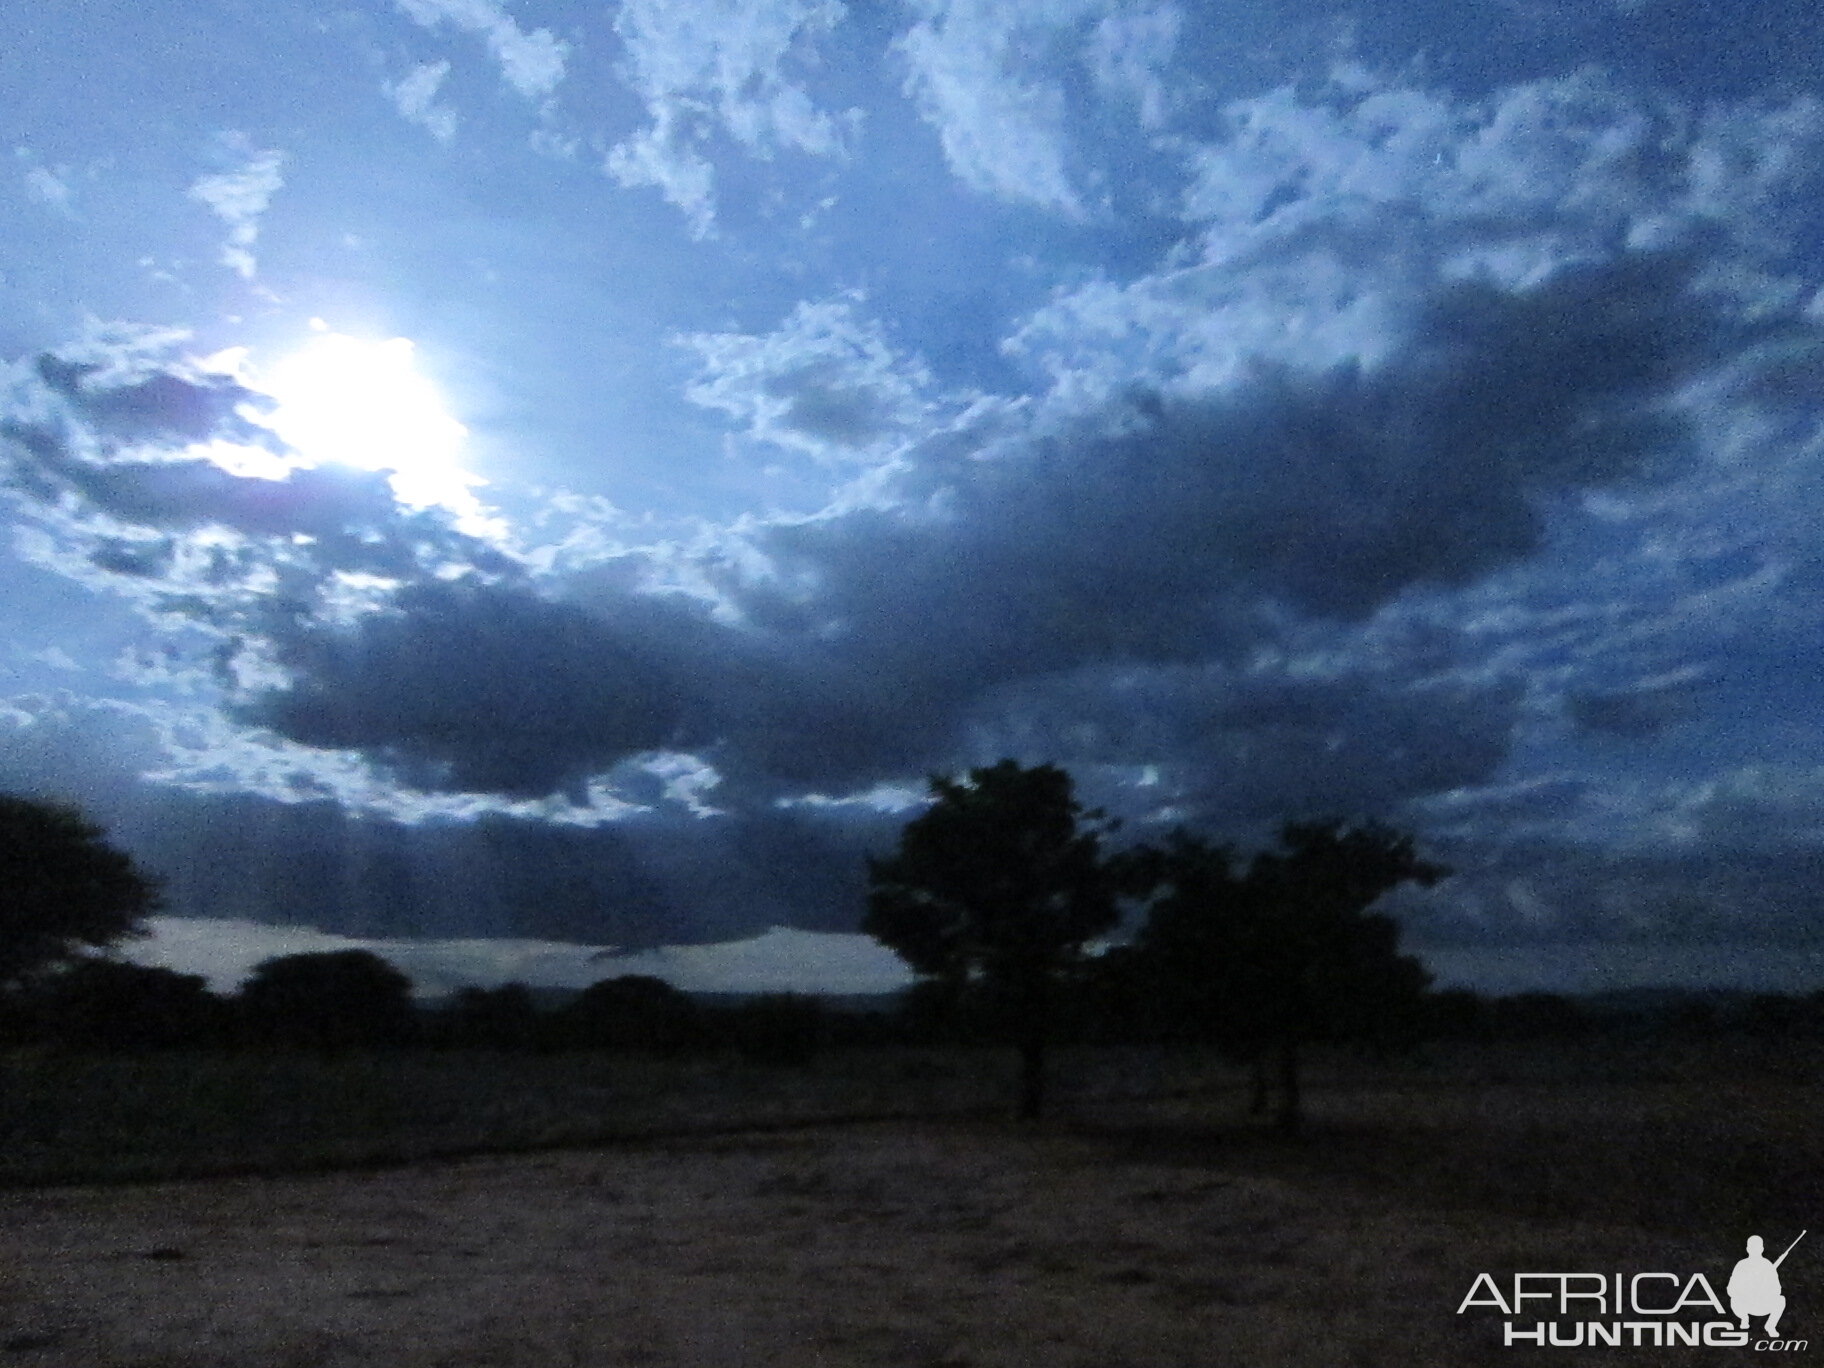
(331, 1000)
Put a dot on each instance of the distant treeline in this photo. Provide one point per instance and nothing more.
(346, 1000)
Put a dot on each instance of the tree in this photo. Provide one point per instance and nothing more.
(63, 889)
(995, 889)
(1185, 970)
(102, 1004)
(329, 1000)
(503, 1018)
(633, 1012)
(1286, 953)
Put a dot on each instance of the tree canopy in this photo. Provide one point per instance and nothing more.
(998, 886)
(329, 1000)
(633, 1011)
(63, 889)
(1283, 951)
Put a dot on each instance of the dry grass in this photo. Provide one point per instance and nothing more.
(1154, 1234)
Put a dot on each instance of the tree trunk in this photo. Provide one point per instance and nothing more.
(1289, 1111)
(1032, 1078)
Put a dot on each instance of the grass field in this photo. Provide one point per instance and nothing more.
(1151, 1230)
(1643, 1130)
(98, 1118)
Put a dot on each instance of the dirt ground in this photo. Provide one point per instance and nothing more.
(925, 1245)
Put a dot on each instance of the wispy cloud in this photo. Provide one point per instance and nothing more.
(661, 158)
(995, 78)
(239, 197)
(720, 66)
(532, 62)
(1128, 53)
(415, 97)
(827, 382)
(49, 186)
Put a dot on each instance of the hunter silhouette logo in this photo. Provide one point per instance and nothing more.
(1754, 1286)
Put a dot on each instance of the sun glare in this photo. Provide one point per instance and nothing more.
(360, 402)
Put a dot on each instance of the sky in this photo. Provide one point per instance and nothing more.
(540, 486)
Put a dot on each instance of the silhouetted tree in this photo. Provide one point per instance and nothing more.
(1185, 972)
(1286, 953)
(1202, 970)
(329, 1000)
(1456, 1014)
(503, 1018)
(103, 1004)
(63, 889)
(995, 890)
(1776, 1015)
(633, 1012)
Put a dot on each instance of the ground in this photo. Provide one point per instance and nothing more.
(952, 1244)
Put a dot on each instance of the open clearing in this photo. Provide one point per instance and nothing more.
(1146, 1237)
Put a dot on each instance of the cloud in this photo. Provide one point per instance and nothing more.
(1642, 712)
(826, 382)
(1458, 465)
(121, 400)
(49, 186)
(224, 541)
(128, 467)
(720, 65)
(239, 197)
(300, 855)
(780, 960)
(1161, 530)
(474, 688)
(1542, 171)
(1038, 103)
(939, 608)
(1003, 128)
(660, 157)
(1323, 215)
(1128, 54)
(1240, 750)
(531, 62)
(416, 99)
(73, 750)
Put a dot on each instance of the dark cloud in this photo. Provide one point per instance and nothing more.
(1361, 473)
(1121, 588)
(1637, 714)
(1167, 530)
(147, 559)
(826, 381)
(350, 514)
(1245, 750)
(313, 864)
(474, 688)
(1544, 893)
(818, 405)
(658, 876)
(1156, 532)
(158, 407)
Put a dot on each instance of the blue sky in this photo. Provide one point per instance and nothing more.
(494, 475)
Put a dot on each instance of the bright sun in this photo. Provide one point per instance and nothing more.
(358, 402)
